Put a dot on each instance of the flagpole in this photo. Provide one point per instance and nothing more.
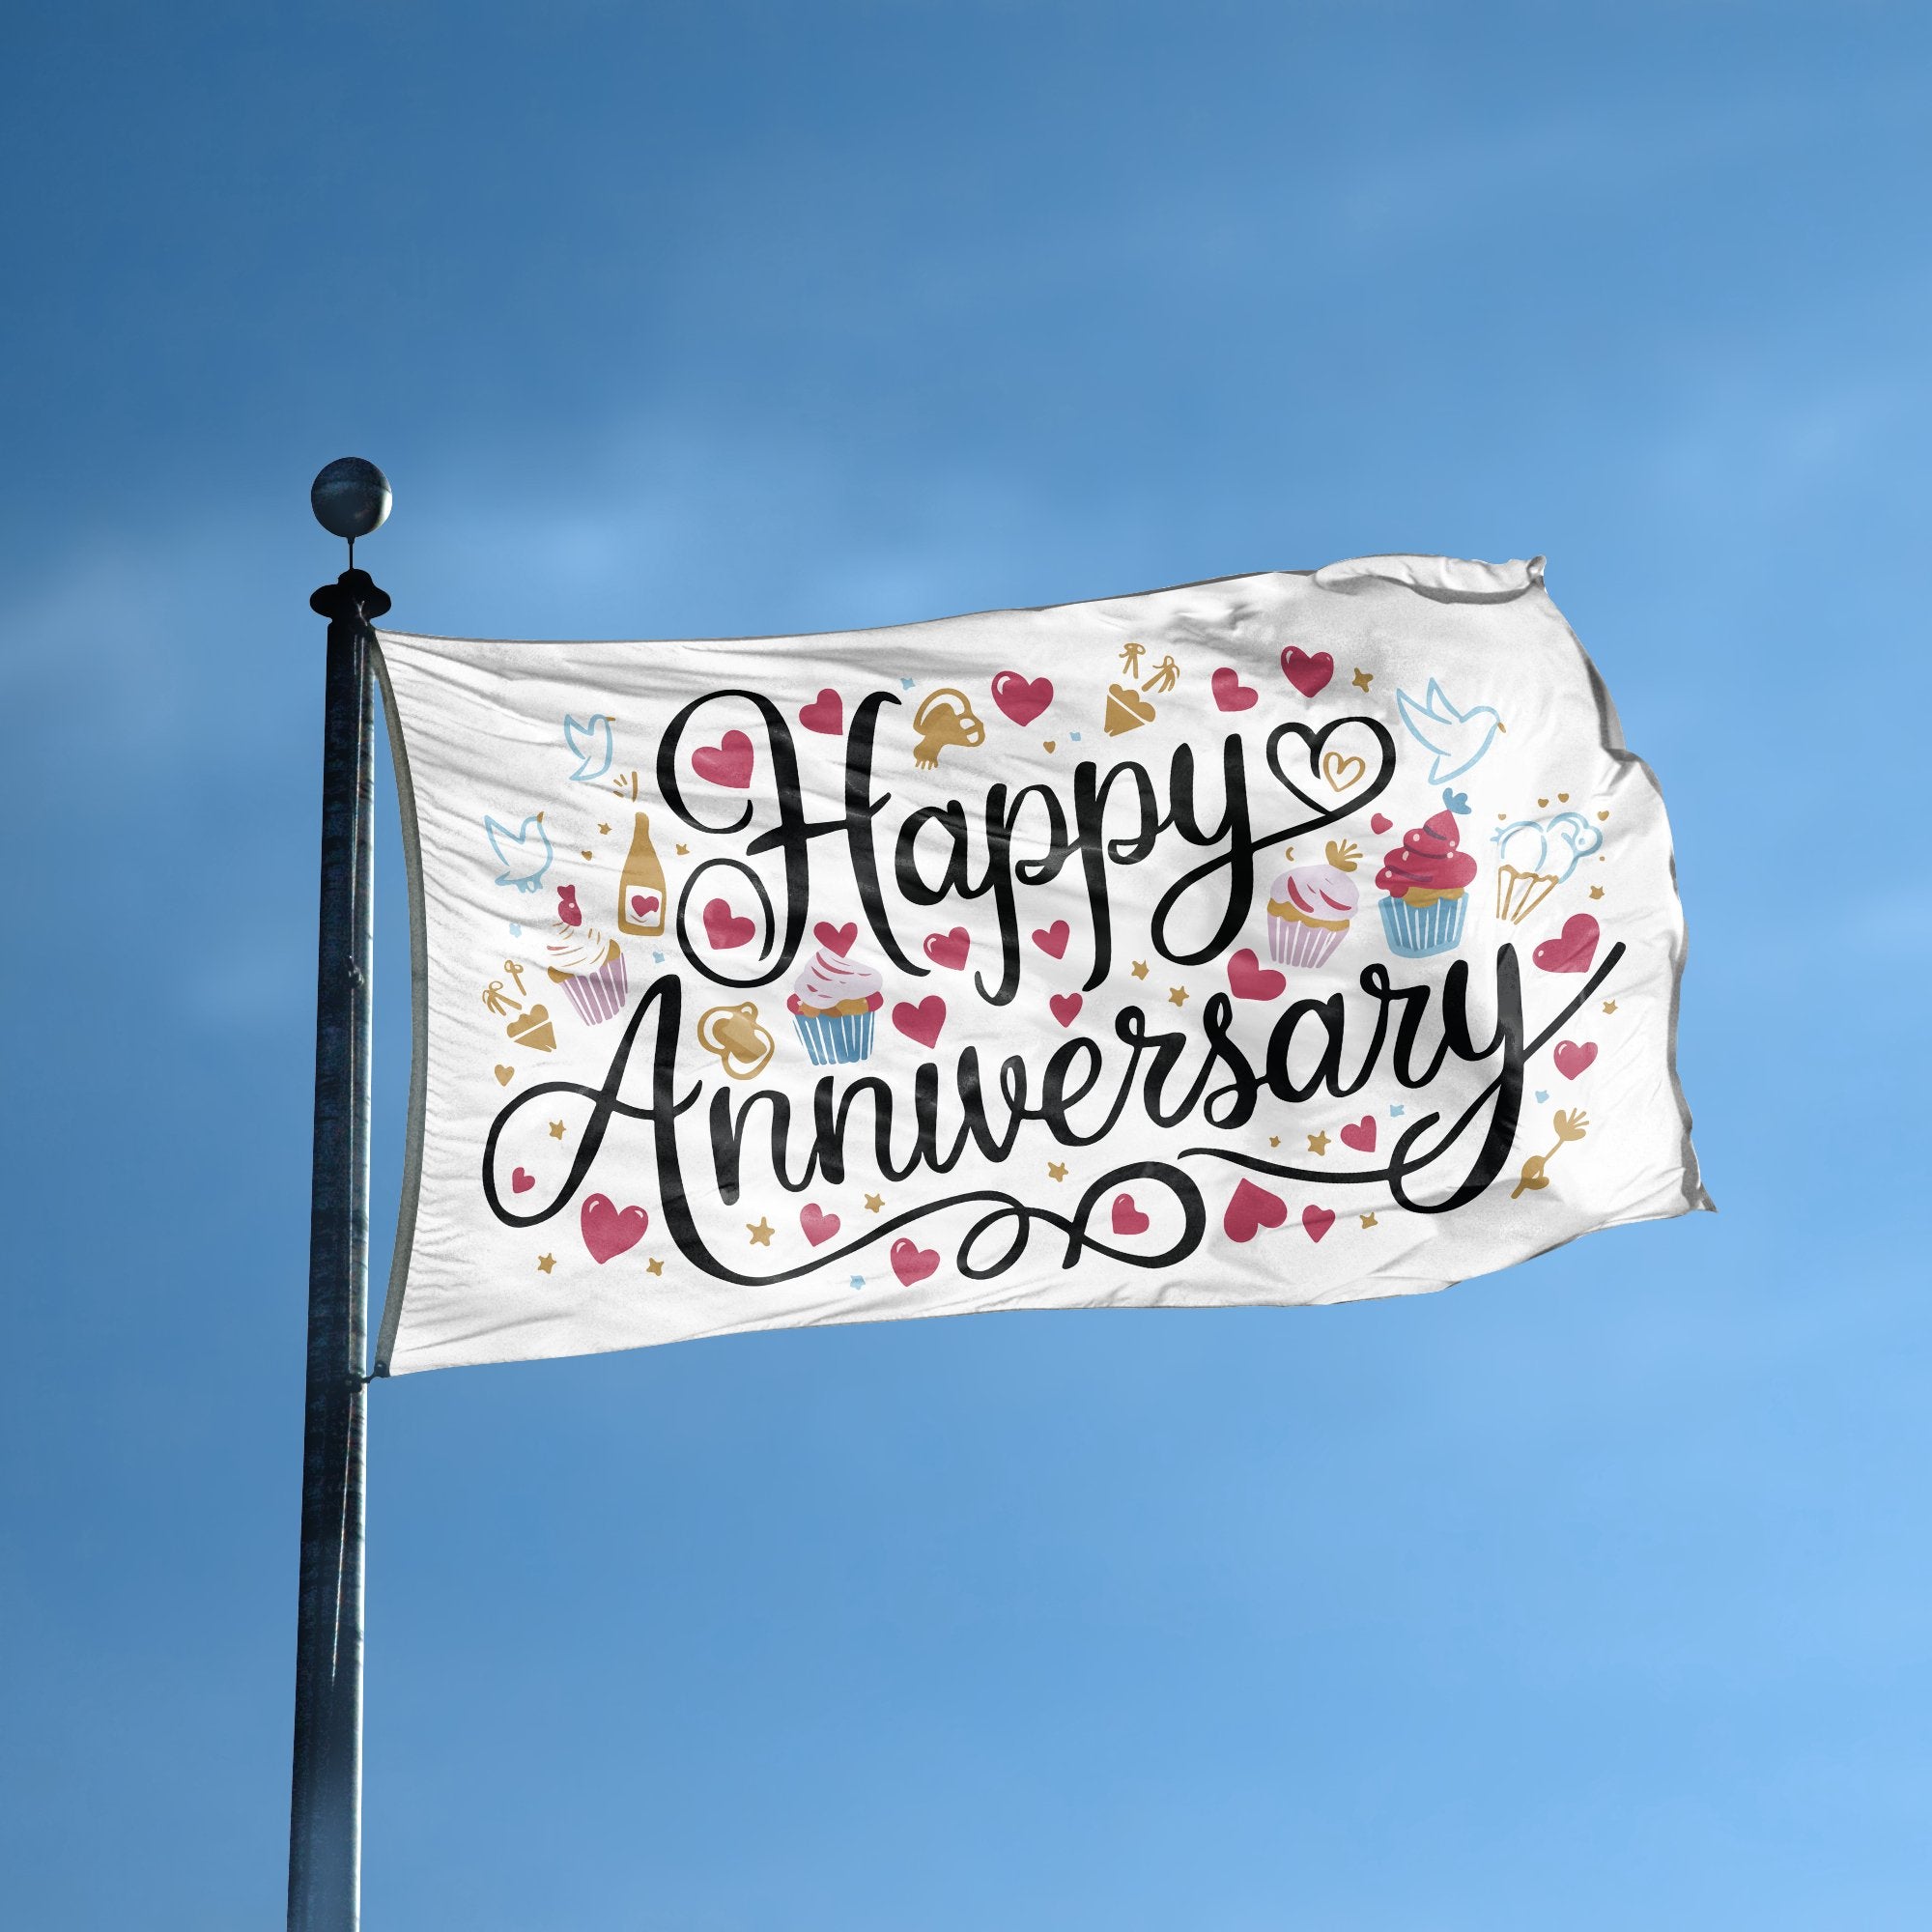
(351, 499)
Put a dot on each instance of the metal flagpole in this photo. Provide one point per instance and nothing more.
(351, 497)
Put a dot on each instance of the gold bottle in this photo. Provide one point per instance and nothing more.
(642, 897)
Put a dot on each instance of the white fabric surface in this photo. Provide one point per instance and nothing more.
(1054, 1051)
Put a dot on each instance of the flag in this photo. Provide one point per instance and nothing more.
(1293, 938)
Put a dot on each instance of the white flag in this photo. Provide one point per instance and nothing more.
(1290, 938)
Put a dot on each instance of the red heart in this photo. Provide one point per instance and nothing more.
(1230, 693)
(911, 1262)
(1022, 701)
(724, 929)
(644, 904)
(1252, 1209)
(1360, 1134)
(836, 938)
(1052, 939)
(1308, 674)
(1127, 1218)
(726, 763)
(1573, 1058)
(825, 713)
(1317, 1220)
(521, 1183)
(818, 1225)
(921, 1022)
(1381, 823)
(610, 1231)
(1572, 950)
(1249, 979)
(1065, 1008)
(947, 948)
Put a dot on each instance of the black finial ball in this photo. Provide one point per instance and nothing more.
(350, 497)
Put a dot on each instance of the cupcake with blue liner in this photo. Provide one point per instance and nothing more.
(1427, 879)
(834, 1004)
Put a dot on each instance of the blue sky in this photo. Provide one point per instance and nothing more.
(1590, 1595)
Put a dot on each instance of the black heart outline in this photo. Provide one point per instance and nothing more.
(1326, 814)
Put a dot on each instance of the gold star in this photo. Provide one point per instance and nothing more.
(556, 1131)
(683, 850)
(761, 1232)
(605, 829)
(873, 1202)
(545, 1263)
(1596, 891)
(1177, 996)
(1609, 1006)
(1275, 1140)
(1140, 968)
(1368, 1221)
(1362, 679)
(655, 1265)
(1318, 1143)
(1056, 1170)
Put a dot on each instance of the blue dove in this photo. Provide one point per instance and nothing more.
(589, 745)
(1458, 738)
(524, 853)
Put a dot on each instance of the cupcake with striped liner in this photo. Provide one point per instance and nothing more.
(589, 966)
(1427, 878)
(1310, 907)
(834, 1004)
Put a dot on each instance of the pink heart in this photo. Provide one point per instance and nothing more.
(1252, 1209)
(825, 713)
(818, 1225)
(1230, 693)
(1317, 1220)
(1381, 823)
(1065, 1008)
(644, 904)
(1308, 674)
(1127, 1218)
(726, 763)
(724, 929)
(1360, 1134)
(836, 938)
(949, 948)
(911, 1262)
(921, 1022)
(1249, 979)
(1052, 939)
(1572, 950)
(521, 1183)
(1022, 701)
(610, 1231)
(1572, 1057)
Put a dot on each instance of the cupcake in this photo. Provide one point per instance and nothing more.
(1309, 909)
(834, 1002)
(1427, 879)
(585, 963)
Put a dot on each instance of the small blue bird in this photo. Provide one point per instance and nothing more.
(589, 745)
(523, 861)
(1458, 738)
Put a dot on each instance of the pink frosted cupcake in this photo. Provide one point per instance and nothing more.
(585, 964)
(1427, 878)
(835, 1005)
(1308, 908)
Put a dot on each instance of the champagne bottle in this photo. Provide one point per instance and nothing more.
(642, 897)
